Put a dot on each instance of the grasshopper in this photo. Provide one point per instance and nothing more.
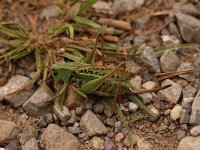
(88, 78)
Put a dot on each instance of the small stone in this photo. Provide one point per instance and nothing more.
(73, 117)
(136, 82)
(189, 143)
(97, 143)
(13, 145)
(132, 107)
(83, 136)
(146, 97)
(63, 114)
(189, 91)
(49, 139)
(190, 9)
(195, 115)
(139, 40)
(109, 145)
(74, 130)
(102, 6)
(187, 103)
(154, 110)
(39, 102)
(195, 131)
(184, 116)
(149, 85)
(31, 144)
(174, 30)
(170, 40)
(181, 135)
(172, 93)
(79, 111)
(118, 126)
(91, 125)
(196, 61)
(127, 5)
(119, 137)
(187, 24)
(28, 133)
(176, 112)
(73, 99)
(144, 145)
(142, 22)
(169, 64)
(134, 138)
(42, 123)
(133, 67)
(14, 83)
(51, 11)
(98, 108)
(20, 98)
(8, 131)
(88, 106)
(49, 118)
(107, 109)
(190, 77)
(111, 121)
(149, 58)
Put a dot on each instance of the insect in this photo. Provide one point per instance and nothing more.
(88, 78)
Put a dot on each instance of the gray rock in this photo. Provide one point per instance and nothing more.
(49, 118)
(51, 12)
(189, 143)
(91, 125)
(20, 98)
(172, 93)
(74, 129)
(189, 28)
(196, 61)
(195, 131)
(42, 122)
(173, 29)
(134, 138)
(126, 5)
(176, 112)
(136, 82)
(118, 126)
(195, 115)
(111, 121)
(14, 84)
(142, 22)
(133, 67)
(73, 117)
(149, 85)
(146, 97)
(39, 102)
(79, 111)
(8, 131)
(187, 103)
(109, 145)
(88, 106)
(149, 58)
(107, 109)
(170, 40)
(184, 116)
(28, 133)
(63, 114)
(102, 6)
(190, 9)
(31, 144)
(169, 64)
(189, 76)
(98, 108)
(13, 145)
(139, 40)
(181, 134)
(144, 145)
(189, 91)
(55, 137)
(97, 143)
(132, 107)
